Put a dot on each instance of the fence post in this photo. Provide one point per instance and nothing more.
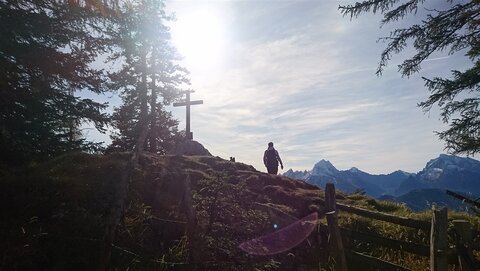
(335, 239)
(464, 241)
(438, 240)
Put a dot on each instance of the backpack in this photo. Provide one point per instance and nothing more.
(272, 158)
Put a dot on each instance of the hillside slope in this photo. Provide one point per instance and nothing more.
(52, 215)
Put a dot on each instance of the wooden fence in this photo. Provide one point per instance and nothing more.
(437, 250)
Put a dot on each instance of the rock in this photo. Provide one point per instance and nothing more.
(191, 147)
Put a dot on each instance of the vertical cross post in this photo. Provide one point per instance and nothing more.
(187, 103)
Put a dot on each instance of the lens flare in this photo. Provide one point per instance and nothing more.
(283, 239)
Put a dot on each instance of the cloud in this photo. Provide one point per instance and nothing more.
(299, 74)
(436, 58)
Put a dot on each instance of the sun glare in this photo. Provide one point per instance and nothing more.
(200, 38)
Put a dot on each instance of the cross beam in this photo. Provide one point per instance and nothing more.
(187, 103)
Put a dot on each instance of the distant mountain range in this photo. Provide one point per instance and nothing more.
(417, 190)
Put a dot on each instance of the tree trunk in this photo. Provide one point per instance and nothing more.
(143, 88)
(153, 107)
(120, 198)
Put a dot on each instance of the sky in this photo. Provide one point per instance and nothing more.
(301, 75)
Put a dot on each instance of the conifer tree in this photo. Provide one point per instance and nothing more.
(452, 27)
(148, 79)
(46, 48)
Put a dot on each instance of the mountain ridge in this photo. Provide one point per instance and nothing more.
(444, 172)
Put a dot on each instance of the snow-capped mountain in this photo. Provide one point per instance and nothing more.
(350, 180)
(299, 175)
(324, 168)
(452, 162)
(445, 172)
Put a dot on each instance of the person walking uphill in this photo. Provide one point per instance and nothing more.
(271, 159)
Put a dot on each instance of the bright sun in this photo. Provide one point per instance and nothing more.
(200, 38)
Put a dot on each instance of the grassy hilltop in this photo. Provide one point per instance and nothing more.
(52, 216)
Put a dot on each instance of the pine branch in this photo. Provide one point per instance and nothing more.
(366, 6)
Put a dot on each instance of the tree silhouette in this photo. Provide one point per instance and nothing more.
(46, 50)
(453, 28)
(148, 79)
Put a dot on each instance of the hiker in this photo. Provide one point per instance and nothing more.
(271, 159)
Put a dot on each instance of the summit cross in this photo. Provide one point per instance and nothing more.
(187, 103)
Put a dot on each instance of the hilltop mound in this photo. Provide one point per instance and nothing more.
(190, 147)
(52, 214)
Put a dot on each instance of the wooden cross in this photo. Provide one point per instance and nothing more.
(187, 103)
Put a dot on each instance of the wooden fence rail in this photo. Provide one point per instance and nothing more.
(414, 248)
(438, 251)
(402, 221)
(381, 264)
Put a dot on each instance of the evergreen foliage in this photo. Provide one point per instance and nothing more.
(453, 28)
(45, 54)
(148, 79)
